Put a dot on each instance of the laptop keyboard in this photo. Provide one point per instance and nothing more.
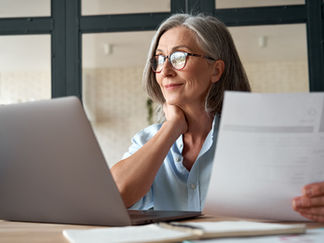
(145, 213)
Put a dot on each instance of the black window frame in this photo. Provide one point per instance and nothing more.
(66, 26)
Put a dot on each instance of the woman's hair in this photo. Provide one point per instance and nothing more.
(216, 41)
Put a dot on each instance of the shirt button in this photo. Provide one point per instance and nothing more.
(180, 146)
(178, 159)
(193, 186)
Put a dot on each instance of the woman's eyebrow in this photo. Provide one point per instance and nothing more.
(174, 48)
(158, 50)
(180, 47)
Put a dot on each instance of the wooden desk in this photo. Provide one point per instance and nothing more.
(21, 232)
(14, 232)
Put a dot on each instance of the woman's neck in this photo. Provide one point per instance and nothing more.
(199, 123)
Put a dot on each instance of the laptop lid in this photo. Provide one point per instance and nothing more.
(52, 169)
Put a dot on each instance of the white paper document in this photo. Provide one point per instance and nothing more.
(128, 234)
(177, 232)
(312, 236)
(269, 146)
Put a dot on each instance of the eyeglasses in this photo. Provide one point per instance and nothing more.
(178, 60)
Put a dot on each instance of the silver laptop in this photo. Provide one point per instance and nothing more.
(52, 169)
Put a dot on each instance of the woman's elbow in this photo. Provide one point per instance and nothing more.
(122, 186)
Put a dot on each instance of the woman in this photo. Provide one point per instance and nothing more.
(191, 62)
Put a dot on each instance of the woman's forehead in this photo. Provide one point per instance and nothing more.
(178, 37)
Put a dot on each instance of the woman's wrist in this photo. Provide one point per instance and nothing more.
(174, 128)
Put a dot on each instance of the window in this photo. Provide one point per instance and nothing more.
(25, 73)
(274, 56)
(22, 8)
(254, 3)
(113, 95)
(95, 7)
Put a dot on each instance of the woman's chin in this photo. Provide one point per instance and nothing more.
(173, 101)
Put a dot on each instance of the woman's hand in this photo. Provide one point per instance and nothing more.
(311, 203)
(175, 115)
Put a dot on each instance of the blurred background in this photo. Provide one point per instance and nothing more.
(274, 56)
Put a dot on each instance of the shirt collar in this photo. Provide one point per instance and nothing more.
(210, 137)
(208, 141)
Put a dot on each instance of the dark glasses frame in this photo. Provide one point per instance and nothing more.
(154, 60)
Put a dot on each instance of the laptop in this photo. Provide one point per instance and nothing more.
(52, 169)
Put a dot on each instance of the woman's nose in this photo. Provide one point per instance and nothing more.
(167, 69)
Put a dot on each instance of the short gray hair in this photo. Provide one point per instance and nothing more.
(216, 41)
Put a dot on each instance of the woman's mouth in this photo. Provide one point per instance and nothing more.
(173, 86)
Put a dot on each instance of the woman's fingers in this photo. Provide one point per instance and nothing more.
(313, 210)
(314, 189)
(302, 202)
(174, 114)
(311, 203)
(317, 218)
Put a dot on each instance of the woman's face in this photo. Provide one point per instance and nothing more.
(190, 85)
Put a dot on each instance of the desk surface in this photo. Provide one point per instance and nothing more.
(14, 232)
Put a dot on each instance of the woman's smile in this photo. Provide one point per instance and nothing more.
(173, 86)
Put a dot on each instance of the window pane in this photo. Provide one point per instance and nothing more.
(254, 3)
(275, 57)
(113, 96)
(25, 73)
(23, 8)
(93, 7)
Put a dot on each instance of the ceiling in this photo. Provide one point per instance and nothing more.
(283, 43)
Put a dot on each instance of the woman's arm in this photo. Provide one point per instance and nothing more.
(135, 174)
(311, 203)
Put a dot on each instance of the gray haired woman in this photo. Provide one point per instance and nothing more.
(191, 62)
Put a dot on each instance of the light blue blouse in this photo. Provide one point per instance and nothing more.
(174, 187)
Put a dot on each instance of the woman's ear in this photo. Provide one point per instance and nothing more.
(218, 69)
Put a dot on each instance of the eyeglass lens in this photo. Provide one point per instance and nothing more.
(177, 60)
